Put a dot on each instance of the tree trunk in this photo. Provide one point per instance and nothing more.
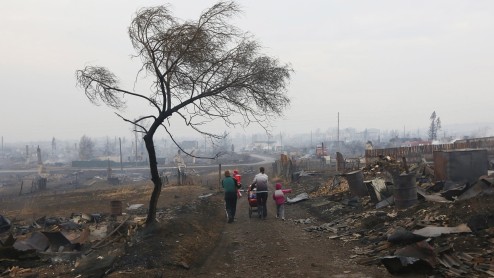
(155, 177)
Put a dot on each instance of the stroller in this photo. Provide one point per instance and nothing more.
(251, 198)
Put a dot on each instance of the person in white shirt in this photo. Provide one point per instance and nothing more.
(260, 182)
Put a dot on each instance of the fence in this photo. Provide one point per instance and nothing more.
(416, 153)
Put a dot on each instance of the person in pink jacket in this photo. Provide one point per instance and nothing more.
(279, 198)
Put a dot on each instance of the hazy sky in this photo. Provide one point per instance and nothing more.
(380, 64)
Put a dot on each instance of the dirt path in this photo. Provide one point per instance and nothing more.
(194, 240)
(251, 247)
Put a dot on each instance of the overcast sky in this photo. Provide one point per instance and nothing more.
(380, 64)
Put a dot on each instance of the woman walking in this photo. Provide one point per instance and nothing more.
(230, 187)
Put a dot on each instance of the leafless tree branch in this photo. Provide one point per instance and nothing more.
(187, 153)
(203, 70)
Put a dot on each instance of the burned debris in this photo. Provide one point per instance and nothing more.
(81, 245)
(414, 218)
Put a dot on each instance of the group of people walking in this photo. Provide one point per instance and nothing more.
(231, 185)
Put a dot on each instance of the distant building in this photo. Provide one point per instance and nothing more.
(408, 142)
(263, 145)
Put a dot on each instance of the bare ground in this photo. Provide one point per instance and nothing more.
(191, 239)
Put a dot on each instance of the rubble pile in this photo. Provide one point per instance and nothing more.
(336, 185)
(80, 244)
(448, 231)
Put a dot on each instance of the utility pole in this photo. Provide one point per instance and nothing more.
(268, 142)
(219, 177)
(338, 134)
(135, 132)
(311, 139)
(281, 142)
(121, 164)
(165, 148)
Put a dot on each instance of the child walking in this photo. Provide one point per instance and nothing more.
(279, 198)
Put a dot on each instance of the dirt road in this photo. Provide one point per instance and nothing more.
(251, 247)
(200, 243)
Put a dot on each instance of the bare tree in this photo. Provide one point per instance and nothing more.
(202, 71)
(86, 148)
(108, 148)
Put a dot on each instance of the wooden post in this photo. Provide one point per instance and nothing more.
(405, 165)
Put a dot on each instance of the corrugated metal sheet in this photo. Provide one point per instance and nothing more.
(460, 165)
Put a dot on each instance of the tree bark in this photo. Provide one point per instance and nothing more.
(155, 177)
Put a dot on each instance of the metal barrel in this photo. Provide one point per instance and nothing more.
(356, 183)
(405, 191)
